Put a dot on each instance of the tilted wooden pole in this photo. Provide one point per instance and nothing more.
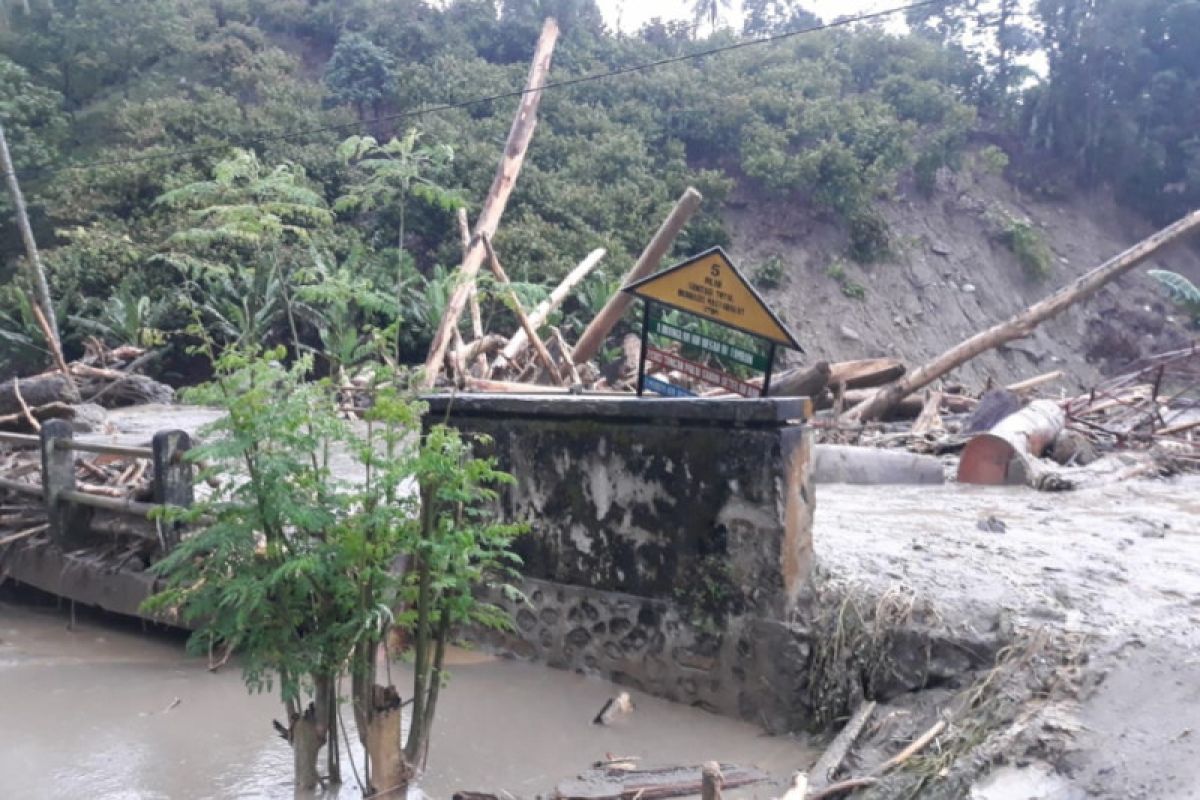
(42, 304)
(597, 331)
(542, 311)
(519, 136)
(1022, 324)
(538, 346)
(464, 231)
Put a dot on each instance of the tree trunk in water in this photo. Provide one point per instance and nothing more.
(307, 741)
(390, 771)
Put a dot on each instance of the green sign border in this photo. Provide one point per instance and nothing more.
(737, 355)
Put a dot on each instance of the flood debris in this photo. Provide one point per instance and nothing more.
(607, 783)
(105, 377)
(617, 706)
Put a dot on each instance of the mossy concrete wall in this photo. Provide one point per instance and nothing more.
(669, 543)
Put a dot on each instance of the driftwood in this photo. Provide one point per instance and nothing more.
(1035, 382)
(831, 760)
(519, 136)
(989, 458)
(930, 418)
(542, 311)
(866, 373)
(918, 744)
(1022, 324)
(539, 346)
(711, 781)
(564, 350)
(25, 534)
(597, 331)
(842, 787)
(798, 788)
(650, 784)
(33, 423)
(37, 390)
(483, 347)
(615, 706)
(509, 387)
(464, 232)
(807, 382)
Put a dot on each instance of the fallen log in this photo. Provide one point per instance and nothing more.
(510, 387)
(519, 137)
(1003, 454)
(1034, 382)
(918, 744)
(19, 423)
(597, 331)
(806, 382)
(482, 348)
(865, 373)
(651, 784)
(542, 311)
(831, 760)
(1021, 325)
(539, 347)
(930, 418)
(841, 787)
(798, 788)
(711, 781)
(464, 232)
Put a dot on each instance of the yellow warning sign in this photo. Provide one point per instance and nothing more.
(710, 286)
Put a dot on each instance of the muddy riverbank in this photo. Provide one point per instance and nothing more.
(108, 711)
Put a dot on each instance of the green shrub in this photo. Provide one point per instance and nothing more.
(850, 287)
(1031, 250)
(992, 160)
(870, 239)
(770, 274)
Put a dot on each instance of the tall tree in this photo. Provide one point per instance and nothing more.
(764, 17)
(709, 11)
(359, 74)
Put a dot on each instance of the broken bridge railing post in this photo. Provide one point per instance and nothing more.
(172, 479)
(66, 519)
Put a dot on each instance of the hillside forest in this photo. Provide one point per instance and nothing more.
(252, 166)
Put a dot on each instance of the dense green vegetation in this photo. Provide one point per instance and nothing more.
(296, 567)
(342, 243)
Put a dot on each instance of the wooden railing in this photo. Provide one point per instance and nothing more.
(69, 511)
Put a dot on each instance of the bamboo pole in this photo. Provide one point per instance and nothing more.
(519, 136)
(43, 307)
(1022, 324)
(542, 311)
(593, 337)
(539, 347)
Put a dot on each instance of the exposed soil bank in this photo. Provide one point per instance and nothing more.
(1107, 578)
(105, 711)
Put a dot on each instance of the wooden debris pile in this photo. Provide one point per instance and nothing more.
(130, 541)
(103, 377)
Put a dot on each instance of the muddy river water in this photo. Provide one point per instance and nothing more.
(107, 711)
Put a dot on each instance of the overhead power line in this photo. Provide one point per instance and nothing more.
(428, 110)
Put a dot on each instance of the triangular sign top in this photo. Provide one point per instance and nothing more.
(710, 286)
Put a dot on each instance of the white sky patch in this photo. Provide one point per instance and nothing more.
(630, 15)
